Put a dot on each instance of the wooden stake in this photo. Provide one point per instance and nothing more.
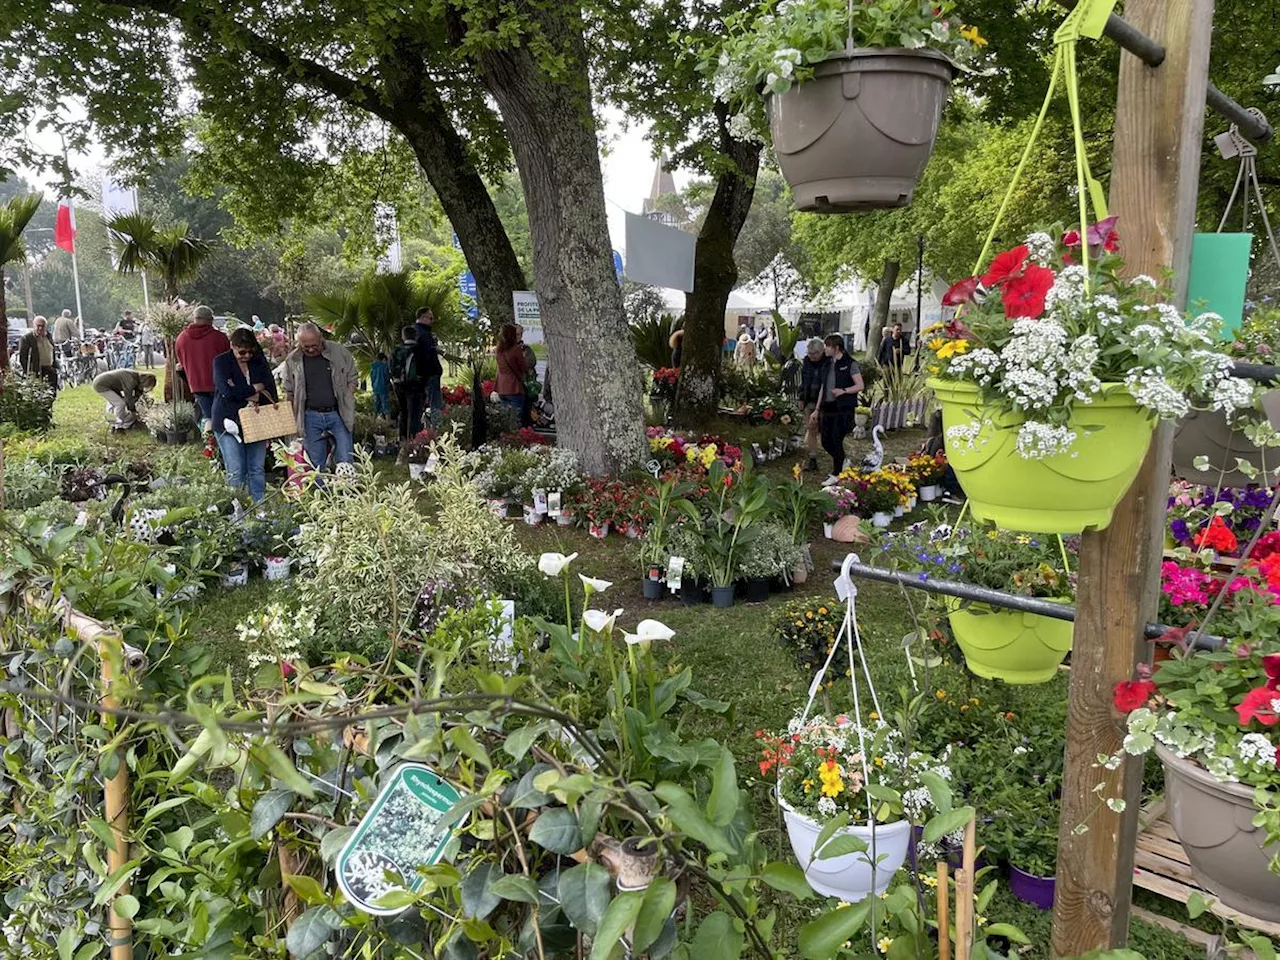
(944, 914)
(1154, 182)
(111, 649)
(964, 893)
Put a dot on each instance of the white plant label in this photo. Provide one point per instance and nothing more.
(675, 571)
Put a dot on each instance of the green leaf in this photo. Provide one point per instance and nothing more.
(162, 806)
(688, 818)
(984, 898)
(282, 769)
(115, 882)
(67, 941)
(1262, 947)
(308, 888)
(841, 846)
(829, 828)
(102, 831)
(821, 938)
(469, 746)
(516, 887)
(1006, 930)
(787, 878)
(331, 843)
(477, 900)
(723, 804)
(655, 909)
(268, 811)
(519, 741)
(584, 893)
(619, 915)
(311, 931)
(1196, 906)
(556, 829)
(717, 939)
(589, 817)
(126, 906)
(939, 790)
(945, 823)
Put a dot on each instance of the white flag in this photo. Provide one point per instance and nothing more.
(386, 235)
(117, 199)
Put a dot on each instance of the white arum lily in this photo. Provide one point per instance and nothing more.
(649, 630)
(598, 620)
(553, 563)
(591, 585)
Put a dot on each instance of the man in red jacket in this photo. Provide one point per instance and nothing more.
(196, 347)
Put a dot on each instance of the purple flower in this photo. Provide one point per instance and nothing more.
(1179, 530)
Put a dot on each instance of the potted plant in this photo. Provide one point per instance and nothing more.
(880, 497)
(927, 474)
(1023, 830)
(765, 556)
(685, 541)
(1051, 382)
(663, 504)
(418, 452)
(823, 775)
(183, 421)
(1217, 743)
(854, 94)
(1006, 645)
(737, 502)
(796, 507)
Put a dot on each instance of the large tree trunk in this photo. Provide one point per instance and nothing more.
(714, 274)
(880, 312)
(589, 349)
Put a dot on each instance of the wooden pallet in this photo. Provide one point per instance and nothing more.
(1161, 866)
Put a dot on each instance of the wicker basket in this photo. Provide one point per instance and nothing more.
(267, 421)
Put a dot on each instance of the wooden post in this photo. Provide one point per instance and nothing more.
(1154, 184)
(965, 891)
(944, 909)
(111, 651)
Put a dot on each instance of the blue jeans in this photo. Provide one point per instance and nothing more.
(205, 402)
(434, 399)
(515, 401)
(316, 423)
(382, 403)
(245, 464)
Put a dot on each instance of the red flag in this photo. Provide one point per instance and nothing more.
(64, 228)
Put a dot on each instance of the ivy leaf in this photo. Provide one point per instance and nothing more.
(557, 830)
(268, 811)
(655, 909)
(787, 878)
(311, 931)
(584, 893)
(821, 938)
(621, 913)
(717, 939)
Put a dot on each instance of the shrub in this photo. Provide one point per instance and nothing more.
(810, 627)
(26, 404)
(28, 482)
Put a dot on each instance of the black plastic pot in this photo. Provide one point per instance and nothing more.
(722, 597)
(652, 589)
(691, 592)
(757, 589)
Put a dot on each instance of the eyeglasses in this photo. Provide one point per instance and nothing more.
(244, 351)
(312, 347)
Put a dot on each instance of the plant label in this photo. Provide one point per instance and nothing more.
(540, 501)
(396, 839)
(675, 571)
(555, 499)
(432, 463)
(756, 453)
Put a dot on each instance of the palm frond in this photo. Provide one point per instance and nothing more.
(133, 242)
(14, 217)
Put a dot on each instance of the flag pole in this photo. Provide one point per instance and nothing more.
(146, 300)
(75, 271)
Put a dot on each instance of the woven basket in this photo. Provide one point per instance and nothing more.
(267, 421)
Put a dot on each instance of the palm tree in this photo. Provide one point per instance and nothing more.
(14, 217)
(171, 253)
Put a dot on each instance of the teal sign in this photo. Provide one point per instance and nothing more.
(1219, 272)
(398, 837)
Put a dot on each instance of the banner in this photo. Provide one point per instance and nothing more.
(528, 314)
(117, 200)
(658, 255)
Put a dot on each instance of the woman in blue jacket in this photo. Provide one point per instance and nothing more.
(240, 377)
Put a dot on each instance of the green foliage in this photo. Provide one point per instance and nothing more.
(380, 304)
(26, 404)
(14, 217)
(652, 336)
(171, 253)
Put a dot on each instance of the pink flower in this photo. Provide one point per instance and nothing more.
(1258, 705)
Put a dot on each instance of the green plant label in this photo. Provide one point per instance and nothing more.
(398, 837)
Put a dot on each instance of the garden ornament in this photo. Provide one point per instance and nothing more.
(633, 863)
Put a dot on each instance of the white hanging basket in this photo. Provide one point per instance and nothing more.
(852, 876)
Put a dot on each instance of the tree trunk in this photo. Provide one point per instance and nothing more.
(880, 312)
(549, 120)
(714, 274)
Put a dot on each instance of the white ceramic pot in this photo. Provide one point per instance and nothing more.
(828, 529)
(498, 508)
(238, 577)
(881, 519)
(928, 493)
(565, 520)
(898, 510)
(852, 876)
(278, 568)
(416, 470)
(911, 504)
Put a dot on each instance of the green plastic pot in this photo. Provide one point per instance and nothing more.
(1068, 493)
(1009, 645)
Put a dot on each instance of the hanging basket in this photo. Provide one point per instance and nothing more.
(1068, 493)
(1009, 645)
(1214, 824)
(850, 877)
(1206, 433)
(857, 136)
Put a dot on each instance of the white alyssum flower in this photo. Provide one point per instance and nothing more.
(1232, 395)
(552, 564)
(1036, 440)
(1151, 390)
(965, 435)
(1256, 749)
(1068, 291)
(1040, 247)
(827, 807)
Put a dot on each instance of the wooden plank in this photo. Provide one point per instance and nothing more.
(1182, 892)
(1163, 846)
(1154, 184)
(1151, 814)
(1164, 865)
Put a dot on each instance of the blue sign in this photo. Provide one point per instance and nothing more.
(456, 244)
(617, 265)
(467, 286)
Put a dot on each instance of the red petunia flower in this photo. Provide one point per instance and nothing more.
(1071, 238)
(768, 414)
(1257, 705)
(1024, 295)
(1132, 694)
(961, 292)
(1217, 536)
(1271, 664)
(1006, 266)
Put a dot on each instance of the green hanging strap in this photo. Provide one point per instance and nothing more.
(1062, 547)
(1087, 20)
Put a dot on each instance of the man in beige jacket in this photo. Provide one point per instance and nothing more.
(320, 380)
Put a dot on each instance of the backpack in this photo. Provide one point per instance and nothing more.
(404, 363)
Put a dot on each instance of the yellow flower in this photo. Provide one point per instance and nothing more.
(829, 774)
(937, 343)
(941, 694)
(964, 708)
(929, 880)
(808, 614)
(975, 701)
(952, 347)
(973, 36)
(929, 329)
(795, 471)
(842, 904)
(822, 610)
(879, 761)
(884, 943)
(933, 368)
(799, 623)
(982, 921)
(992, 535)
(873, 715)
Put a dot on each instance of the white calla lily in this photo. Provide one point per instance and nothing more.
(598, 620)
(591, 585)
(648, 630)
(553, 563)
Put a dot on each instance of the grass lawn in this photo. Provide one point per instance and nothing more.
(734, 653)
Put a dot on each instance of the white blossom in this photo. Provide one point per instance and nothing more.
(1036, 440)
(965, 434)
(1232, 395)
(1151, 390)
(1041, 248)
(552, 564)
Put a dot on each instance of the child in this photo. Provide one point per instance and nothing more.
(380, 381)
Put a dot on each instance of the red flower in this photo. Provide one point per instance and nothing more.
(961, 292)
(1278, 756)
(1071, 238)
(1132, 694)
(1257, 706)
(1271, 664)
(1217, 536)
(1024, 295)
(768, 414)
(1006, 266)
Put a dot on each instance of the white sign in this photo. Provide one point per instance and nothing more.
(528, 314)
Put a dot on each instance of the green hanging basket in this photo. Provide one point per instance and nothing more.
(1068, 493)
(1009, 645)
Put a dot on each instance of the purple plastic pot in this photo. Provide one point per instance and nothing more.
(1027, 887)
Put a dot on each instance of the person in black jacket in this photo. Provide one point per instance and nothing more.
(811, 374)
(241, 377)
(428, 363)
(894, 349)
(837, 401)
